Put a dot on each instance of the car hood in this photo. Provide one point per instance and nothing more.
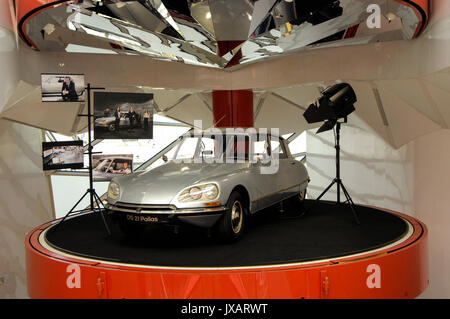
(106, 119)
(160, 185)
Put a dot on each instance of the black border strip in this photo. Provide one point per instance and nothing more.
(29, 14)
(262, 265)
(422, 231)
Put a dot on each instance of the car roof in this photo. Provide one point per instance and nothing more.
(224, 131)
(115, 157)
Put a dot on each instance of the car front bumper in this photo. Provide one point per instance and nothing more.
(167, 214)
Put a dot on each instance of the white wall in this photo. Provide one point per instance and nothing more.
(414, 180)
(25, 200)
(9, 75)
(372, 172)
(432, 205)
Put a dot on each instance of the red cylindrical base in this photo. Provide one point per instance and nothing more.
(395, 271)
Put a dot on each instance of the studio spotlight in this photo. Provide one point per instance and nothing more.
(335, 104)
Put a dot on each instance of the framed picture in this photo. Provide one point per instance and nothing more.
(105, 167)
(59, 155)
(123, 115)
(62, 87)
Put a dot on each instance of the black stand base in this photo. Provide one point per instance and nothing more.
(98, 202)
(347, 196)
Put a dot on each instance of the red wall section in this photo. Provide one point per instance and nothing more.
(222, 108)
(233, 108)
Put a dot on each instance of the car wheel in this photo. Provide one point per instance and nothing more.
(232, 223)
(112, 127)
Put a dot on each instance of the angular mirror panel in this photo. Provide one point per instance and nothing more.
(219, 33)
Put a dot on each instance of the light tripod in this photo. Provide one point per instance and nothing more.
(94, 198)
(337, 180)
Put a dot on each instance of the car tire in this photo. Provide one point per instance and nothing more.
(112, 127)
(231, 226)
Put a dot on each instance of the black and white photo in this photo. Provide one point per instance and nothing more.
(62, 87)
(123, 115)
(59, 155)
(105, 167)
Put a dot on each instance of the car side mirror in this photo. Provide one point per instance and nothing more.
(164, 158)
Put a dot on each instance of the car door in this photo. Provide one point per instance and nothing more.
(288, 178)
(290, 172)
(264, 189)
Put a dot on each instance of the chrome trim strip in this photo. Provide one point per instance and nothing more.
(146, 206)
(185, 211)
(279, 191)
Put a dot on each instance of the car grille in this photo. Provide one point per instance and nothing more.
(145, 207)
(158, 209)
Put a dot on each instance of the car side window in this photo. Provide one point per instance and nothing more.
(260, 149)
(277, 147)
(118, 166)
(106, 165)
(210, 148)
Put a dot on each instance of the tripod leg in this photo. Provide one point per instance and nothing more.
(318, 198)
(352, 205)
(326, 190)
(99, 202)
(70, 211)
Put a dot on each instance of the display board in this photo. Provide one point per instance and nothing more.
(62, 87)
(105, 167)
(123, 115)
(58, 155)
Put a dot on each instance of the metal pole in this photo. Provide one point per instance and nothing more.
(91, 183)
(338, 164)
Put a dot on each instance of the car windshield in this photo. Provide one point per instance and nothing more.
(224, 146)
(103, 165)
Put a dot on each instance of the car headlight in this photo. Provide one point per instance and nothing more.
(199, 193)
(113, 190)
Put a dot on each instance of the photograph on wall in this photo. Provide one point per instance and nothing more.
(105, 167)
(59, 155)
(62, 87)
(123, 115)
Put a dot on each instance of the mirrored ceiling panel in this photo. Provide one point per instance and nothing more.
(195, 31)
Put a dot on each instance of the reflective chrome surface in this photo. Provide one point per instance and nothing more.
(191, 31)
(236, 217)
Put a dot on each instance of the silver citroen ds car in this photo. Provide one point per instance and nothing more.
(213, 180)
